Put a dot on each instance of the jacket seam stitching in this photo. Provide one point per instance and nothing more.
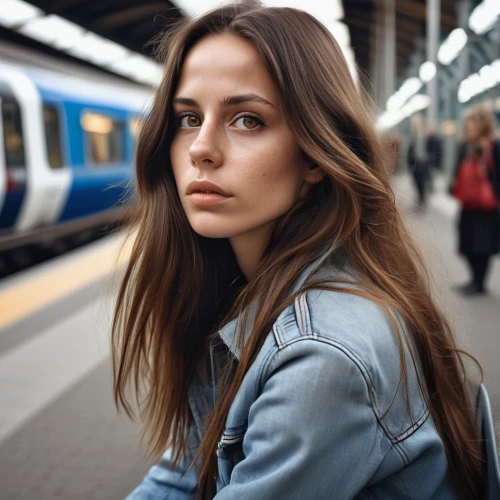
(281, 333)
(414, 428)
(354, 358)
(266, 365)
(270, 359)
(299, 315)
(277, 335)
(306, 313)
(336, 343)
(347, 352)
(303, 308)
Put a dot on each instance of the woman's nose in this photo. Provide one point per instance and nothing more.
(206, 148)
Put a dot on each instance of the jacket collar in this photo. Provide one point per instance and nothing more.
(229, 333)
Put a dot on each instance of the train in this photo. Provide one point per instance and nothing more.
(67, 144)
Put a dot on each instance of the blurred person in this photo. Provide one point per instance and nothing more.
(476, 184)
(418, 159)
(275, 319)
(434, 147)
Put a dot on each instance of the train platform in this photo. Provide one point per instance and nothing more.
(60, 435)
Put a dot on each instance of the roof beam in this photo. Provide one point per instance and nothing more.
(412, 8)
(132, 15)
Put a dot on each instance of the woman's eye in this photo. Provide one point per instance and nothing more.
(189, 121)
(248, 122)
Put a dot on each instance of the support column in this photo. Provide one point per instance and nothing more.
(377, 58)
(495, 36)
(464, 8)
(433, 31)
(389, 49)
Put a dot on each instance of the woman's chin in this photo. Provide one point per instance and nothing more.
(211, 231)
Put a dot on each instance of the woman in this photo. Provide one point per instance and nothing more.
(275, 319)
(479, 227)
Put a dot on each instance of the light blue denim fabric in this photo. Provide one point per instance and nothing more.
(321, 414)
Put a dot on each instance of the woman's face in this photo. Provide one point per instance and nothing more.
(231, 132)
(471, 129)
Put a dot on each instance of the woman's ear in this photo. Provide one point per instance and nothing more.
(314, 174)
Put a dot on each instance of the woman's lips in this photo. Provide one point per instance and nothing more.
(202, 192)
(202, 199)
(205, 186)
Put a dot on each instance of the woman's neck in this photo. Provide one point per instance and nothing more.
(249, 247)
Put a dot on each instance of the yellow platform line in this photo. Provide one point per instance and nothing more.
(36, 292)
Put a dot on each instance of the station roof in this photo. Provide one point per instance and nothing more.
(133, 23)
(360, 17)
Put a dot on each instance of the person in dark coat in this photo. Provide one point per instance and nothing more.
(434, 148)
(418, 162)
(479, 230)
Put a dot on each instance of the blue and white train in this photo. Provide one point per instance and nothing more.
(67, 139)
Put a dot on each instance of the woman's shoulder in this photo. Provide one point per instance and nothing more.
(343, 317)
(334, 330)
(355, 324)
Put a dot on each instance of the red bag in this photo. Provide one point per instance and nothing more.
(473, 187)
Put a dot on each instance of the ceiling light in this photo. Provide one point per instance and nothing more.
(97, 49)
(389, 119)
(53, 30)
(139, 68)
(416, 103)
(496, 69)
(488, 77)
(427, 71)
(16, 12)
(465, 92)
(324, 11)
(484, 16)
(409, 87)
(452, 46)
(470, 87)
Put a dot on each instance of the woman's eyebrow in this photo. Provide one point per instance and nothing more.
(238, 99)
(185, 101)
(228, 101)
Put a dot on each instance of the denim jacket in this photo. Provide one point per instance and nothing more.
(321, 414)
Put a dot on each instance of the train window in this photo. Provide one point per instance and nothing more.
(136, 124)
(12, 134)
(105, 138)
(52, 136)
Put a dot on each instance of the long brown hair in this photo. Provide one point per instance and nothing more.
(179, 288)
(486, 129)
(485, 119)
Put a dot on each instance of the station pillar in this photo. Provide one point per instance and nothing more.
(433, 31)
(464, 8)
(390, 48)
(383, 55)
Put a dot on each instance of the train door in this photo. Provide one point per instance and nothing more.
(46, 187)
(12, 158)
